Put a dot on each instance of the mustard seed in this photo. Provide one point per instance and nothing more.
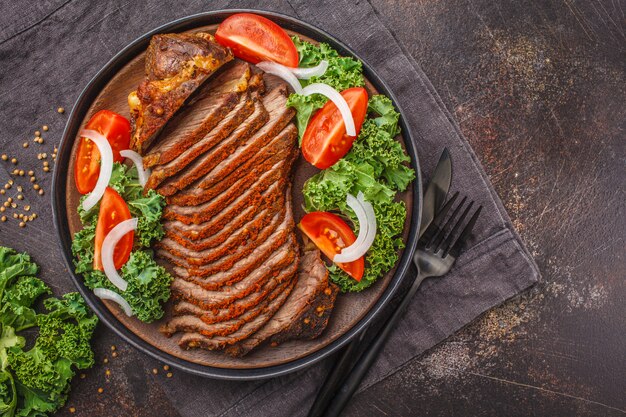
(25, 145)
(114, 354)
(155, 371)
(105, 360)
(19, 189)
(16, 171)
(36, 187)
(107, 372)
(34, 215)
(20, 197)
(20, 216)
(40, 140)
(6, 204)
(7, 186)
(26, 208)
(4, 157)
(169, 375)
(33, 179)
(166, 367)
(60, 110)
(44, 156)
(31, 173)
(37, 133)
(14, 161)
(45, 128)
(9, 200)
(46, 169)
(40, 192)
(82, 376)
(46, 163)
(3, 191)
(72, 410)
(13, 205)
(2, 209)
(15, 216)
(22, 224)
(113, 347)
(100, 390)
(3, 218)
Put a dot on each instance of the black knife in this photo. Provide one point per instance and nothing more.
(434, 197)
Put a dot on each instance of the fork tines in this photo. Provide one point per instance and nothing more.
(447, 238)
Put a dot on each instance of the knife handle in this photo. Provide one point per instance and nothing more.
(336, 377)
(368, 358)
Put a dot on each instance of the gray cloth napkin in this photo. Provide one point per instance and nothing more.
(48, 52)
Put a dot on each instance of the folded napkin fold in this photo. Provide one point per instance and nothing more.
(496, 267)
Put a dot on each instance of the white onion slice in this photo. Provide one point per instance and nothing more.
(282, 72)
(337, 98)
(306, 73)
(367, 229)
(106, 294)
(108, 248)
(138, 161)
(106, 166)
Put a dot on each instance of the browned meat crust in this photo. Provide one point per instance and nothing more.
(176, 65)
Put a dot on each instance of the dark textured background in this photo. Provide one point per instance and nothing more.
(538, 89)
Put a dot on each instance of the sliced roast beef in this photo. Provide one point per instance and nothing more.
(197, 340)
(312, 281)
(226, 292)
(278, 149)
(244, 108)
(239, 306)
(193, 321)
(202, 113)
(208, 262)
(235, 247)
(205, 163)
(279, 120)
(176, 65)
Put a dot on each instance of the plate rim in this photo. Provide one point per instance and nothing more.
(61, 225)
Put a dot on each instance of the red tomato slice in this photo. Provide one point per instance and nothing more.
(325, 140)
(254, 38)
(116, 129)
(331, 234)
(113, 210)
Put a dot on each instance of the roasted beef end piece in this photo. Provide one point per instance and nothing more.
(176, 65)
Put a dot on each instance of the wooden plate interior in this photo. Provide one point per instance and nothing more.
(349, 308)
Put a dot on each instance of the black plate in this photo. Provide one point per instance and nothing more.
(60, 210)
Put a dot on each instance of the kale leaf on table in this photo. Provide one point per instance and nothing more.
(35, 381)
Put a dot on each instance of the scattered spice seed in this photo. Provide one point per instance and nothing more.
(10, 182)
(26, 208)
(41, 192)
(6, 204)
(16, 171)
(34, 215)
(10, 200)
(33, 179)
(100, 390)
(13, 205)
(2, 209)
(72, 410)
(155, 371)
(169, 375)
(45, 128)
(40, 141)
(106, 360)
(20, 197)
(37, 133)
(166, 367)
(25, 145)
(60, 110)
(82, 376)
(107, 372)
(46, 163)
(36, 186)
(15, 216)
(44, 156)
(5, 157)
(114, 354)
(3, 191)
(7, 186)
(3, 218)
(113, 347)
(22, 224)
(46, 169)
(31, 173)
(14, 161)
(22, 172)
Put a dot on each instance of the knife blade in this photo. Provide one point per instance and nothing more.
(437, 189)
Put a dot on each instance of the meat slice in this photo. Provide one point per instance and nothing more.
(312, 293)
(220, 152)
(195, 319)
(221, 259)
(233, 246)
(244, 108)
(196, 340)
(176, 65)
(280, 116)
(276, 150)
(225, 292)
(216, 98)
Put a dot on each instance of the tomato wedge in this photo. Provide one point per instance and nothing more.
(113, 210)
(331, 234)
(325, 140)
(116, 129)
(255, 38)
